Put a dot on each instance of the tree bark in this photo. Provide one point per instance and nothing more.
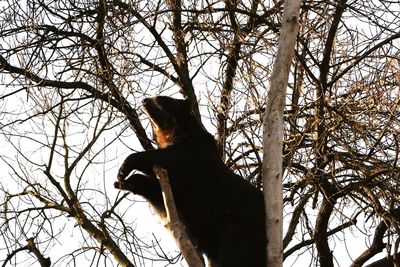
(273, 133)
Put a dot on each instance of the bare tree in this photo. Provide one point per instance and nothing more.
(74, 73)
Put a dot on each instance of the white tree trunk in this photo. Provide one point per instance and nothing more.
(273, 133)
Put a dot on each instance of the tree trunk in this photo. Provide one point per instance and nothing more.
(273, 133)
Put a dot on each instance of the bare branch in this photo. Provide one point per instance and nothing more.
(174, 224)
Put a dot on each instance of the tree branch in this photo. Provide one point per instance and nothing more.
(31, 247)
(312, 240)
(376, 246)
(173, 223)
(321, 233)
(120, 104)
(44, 262)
